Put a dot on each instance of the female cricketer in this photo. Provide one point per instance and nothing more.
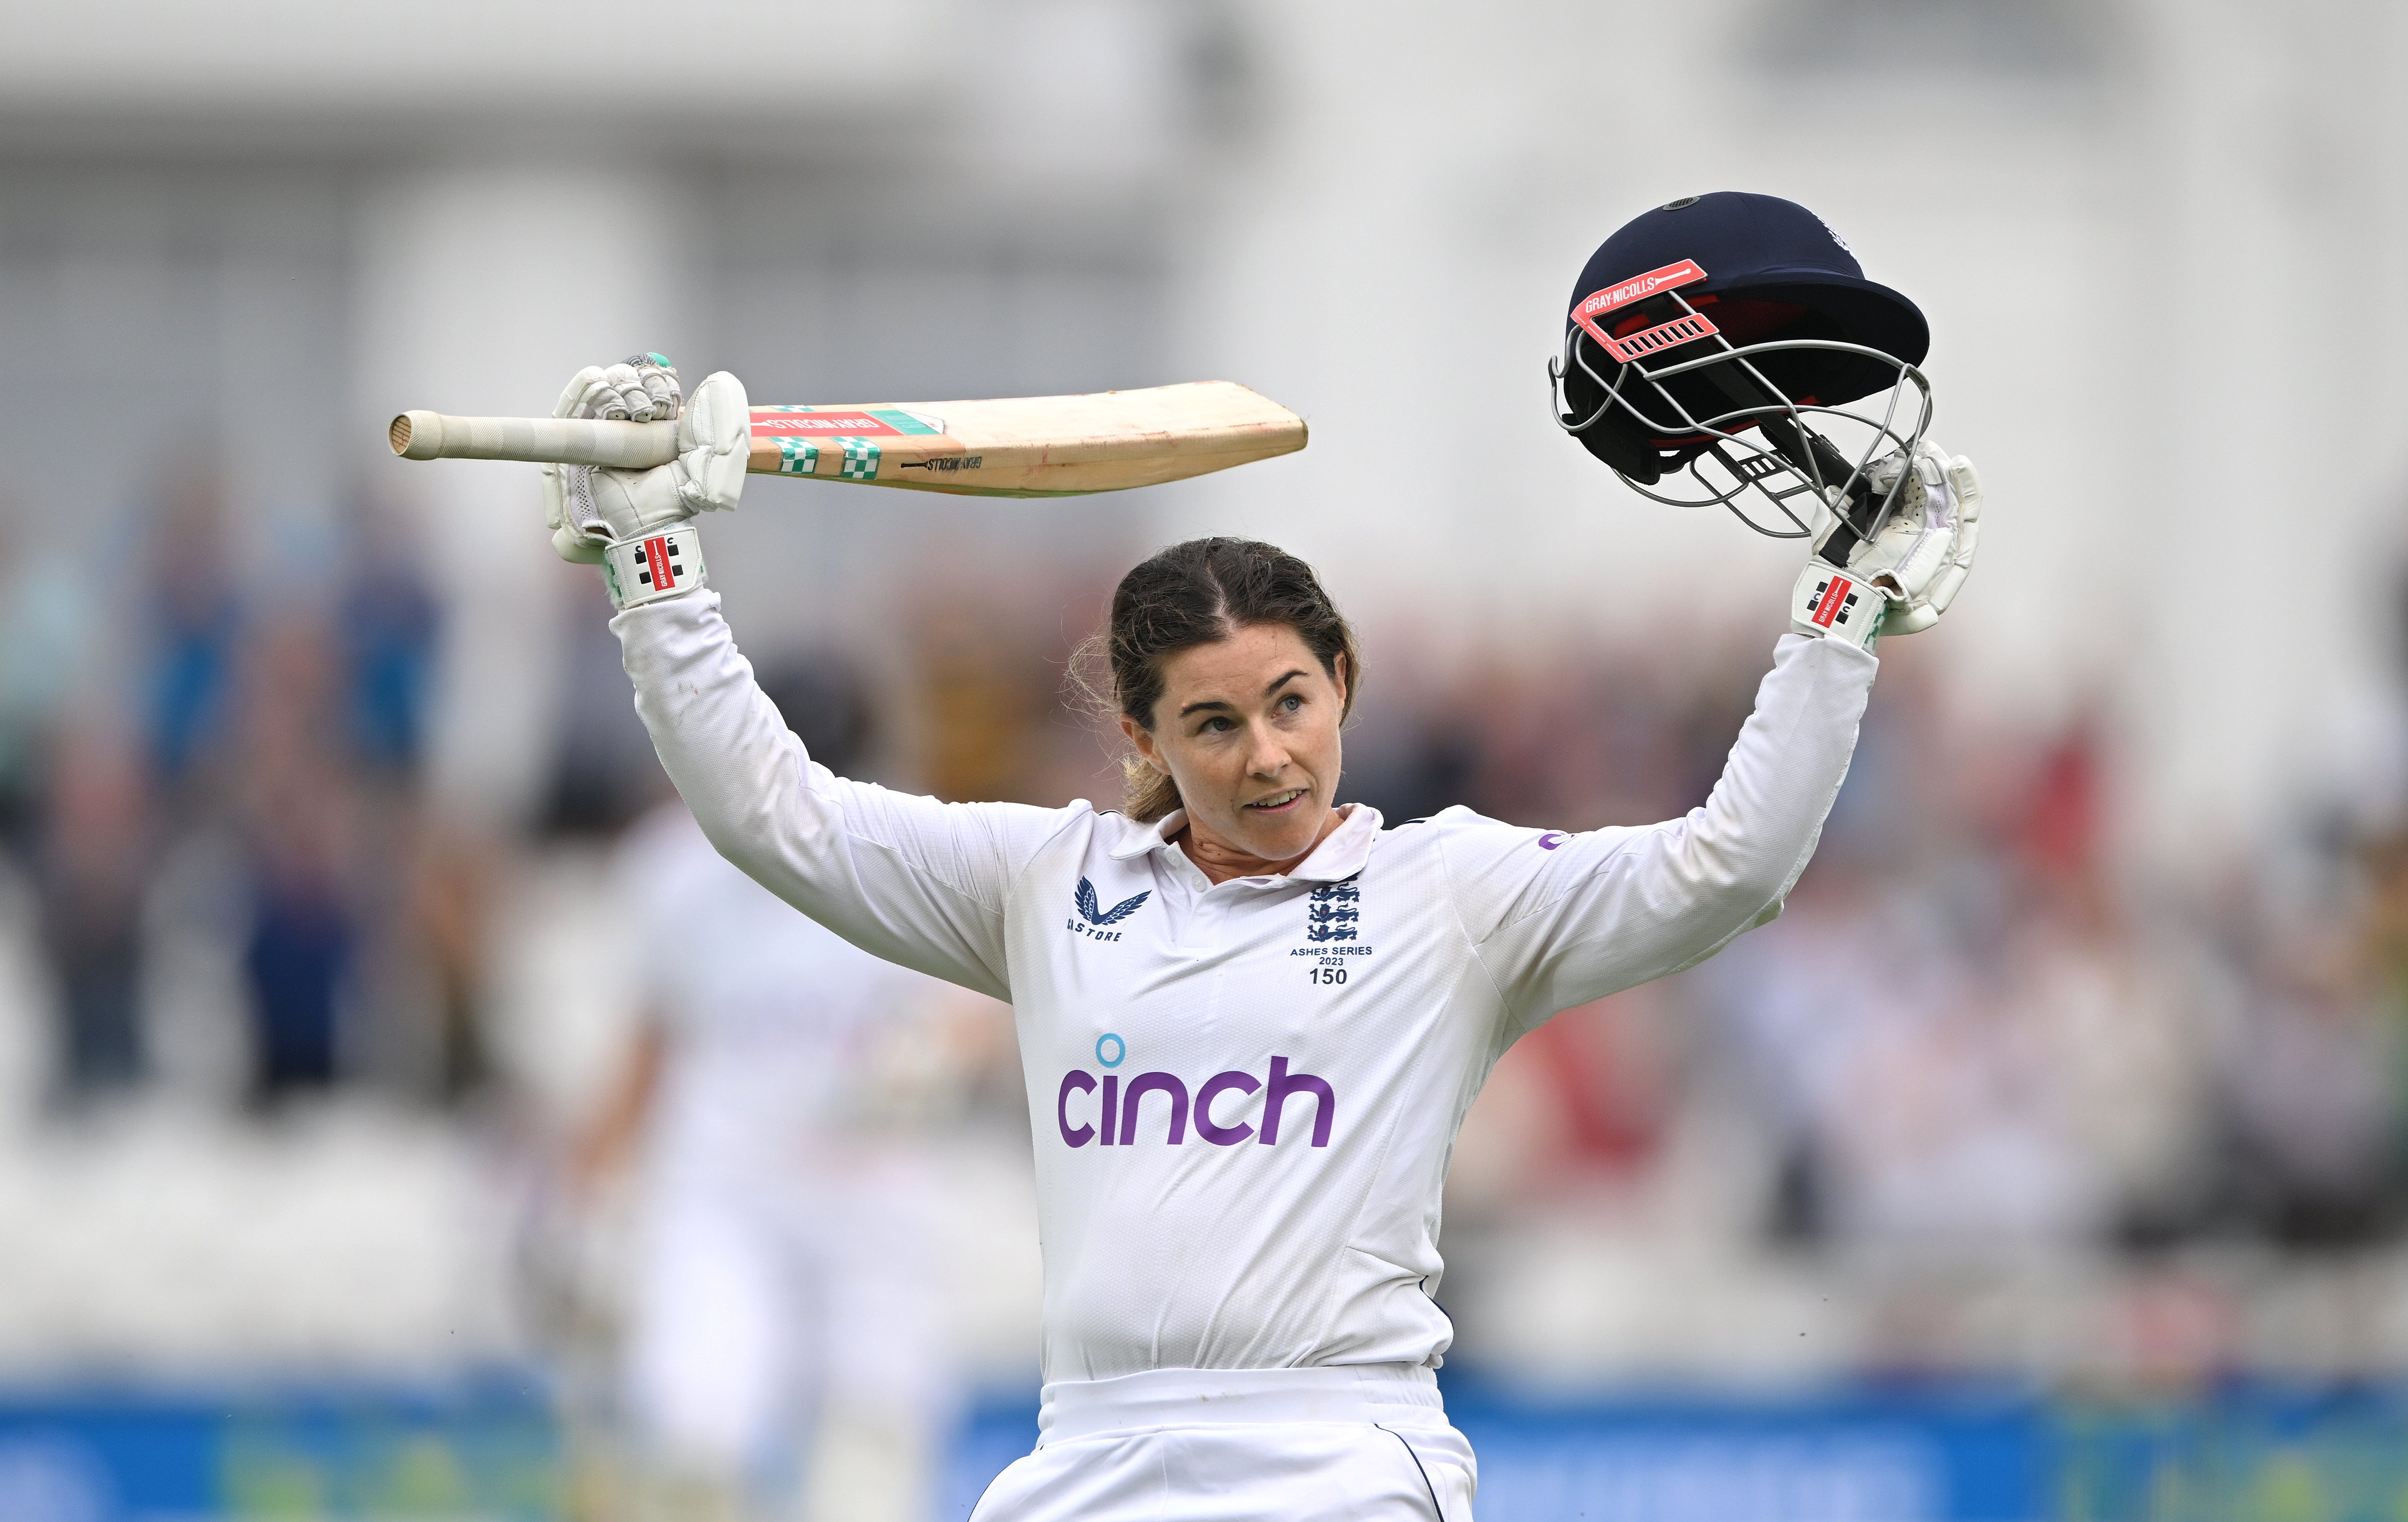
(1252, 1017)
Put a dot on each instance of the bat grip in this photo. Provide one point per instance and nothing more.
(568, 441)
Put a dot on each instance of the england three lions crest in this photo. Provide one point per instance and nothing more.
(1333, 920)
(1333, 910)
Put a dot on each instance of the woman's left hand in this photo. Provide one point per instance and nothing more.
(1913, 566)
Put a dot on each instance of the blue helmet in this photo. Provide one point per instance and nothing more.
(1718, 316)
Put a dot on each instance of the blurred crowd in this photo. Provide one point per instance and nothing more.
(215, 800)
(1979, 1024)
(1982, 1030)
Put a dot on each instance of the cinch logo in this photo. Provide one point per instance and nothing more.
(1097, 917)
(1116, 1112)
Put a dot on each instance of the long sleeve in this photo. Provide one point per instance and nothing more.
(907, 878)
(1559, 920)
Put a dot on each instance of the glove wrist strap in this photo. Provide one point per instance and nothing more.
(1831, 604)
(664, 562)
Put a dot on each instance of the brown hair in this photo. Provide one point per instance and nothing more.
(1197, 593)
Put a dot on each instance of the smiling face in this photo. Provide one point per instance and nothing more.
(1247, 725)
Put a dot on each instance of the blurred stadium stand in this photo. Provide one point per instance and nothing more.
(2044, 1161)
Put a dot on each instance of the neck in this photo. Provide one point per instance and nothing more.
(1221, 861)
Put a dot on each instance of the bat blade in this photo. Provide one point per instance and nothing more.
(1019, 447)
(1030, 446)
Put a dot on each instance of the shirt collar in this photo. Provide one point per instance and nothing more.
(1339, 857)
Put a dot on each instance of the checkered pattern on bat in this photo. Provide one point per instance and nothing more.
(798, 457)
(860, 459)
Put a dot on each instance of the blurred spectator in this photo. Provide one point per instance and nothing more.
(299, 808)
(92, 872)
(195, 618)
(1933, 1110)
(358, 953)
(299, 951)
(388, 622)
(2307, 1055)
(784, 1346)
(418, 889)
(44, 626)
(605, 772)
(982, 699)
(441, 932)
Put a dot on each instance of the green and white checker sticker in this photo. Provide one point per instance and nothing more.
(798, 457)
(860, 459)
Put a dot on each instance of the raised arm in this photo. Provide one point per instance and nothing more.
(907, 878)
(1562, 919)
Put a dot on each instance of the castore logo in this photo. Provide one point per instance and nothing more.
(1095, 918)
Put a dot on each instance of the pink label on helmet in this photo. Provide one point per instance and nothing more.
(1597, 303)
(1688, 326)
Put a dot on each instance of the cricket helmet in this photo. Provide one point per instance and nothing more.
(1727, 335)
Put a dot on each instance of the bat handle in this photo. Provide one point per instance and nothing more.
(568, 441)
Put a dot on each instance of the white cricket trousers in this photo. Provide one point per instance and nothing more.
(1350, 1443)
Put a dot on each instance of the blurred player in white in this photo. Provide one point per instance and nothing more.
(1251, 1019)
(785, 1342)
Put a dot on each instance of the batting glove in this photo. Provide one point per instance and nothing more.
(1903, 578)
(634, 522)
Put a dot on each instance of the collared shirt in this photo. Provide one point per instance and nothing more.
(1244, 1095)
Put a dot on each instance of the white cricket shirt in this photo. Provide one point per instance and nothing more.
(773, 1020)
(1244, 1096)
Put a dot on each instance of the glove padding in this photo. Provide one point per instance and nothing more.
(1926, 598)
(1915, 564)
(641, 388)
(589, 508)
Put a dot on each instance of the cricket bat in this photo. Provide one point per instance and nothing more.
(1017, 447)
